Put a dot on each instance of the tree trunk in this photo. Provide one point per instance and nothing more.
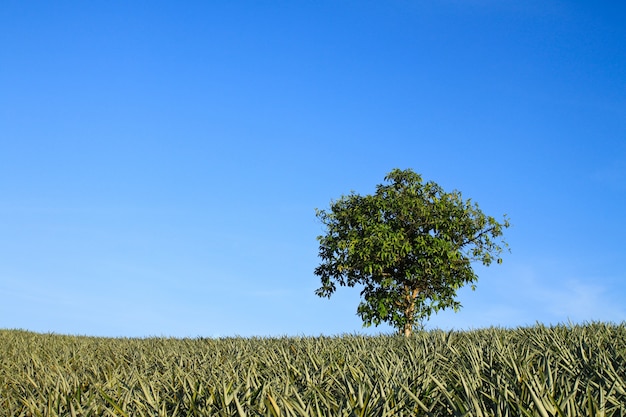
(408, 329)
(409, 311)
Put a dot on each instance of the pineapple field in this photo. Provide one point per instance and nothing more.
(563, 370)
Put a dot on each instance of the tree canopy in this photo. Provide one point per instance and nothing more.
(410, 245)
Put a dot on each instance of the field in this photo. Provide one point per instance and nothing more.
(573, 370)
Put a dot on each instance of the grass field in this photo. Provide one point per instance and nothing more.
(574, 370)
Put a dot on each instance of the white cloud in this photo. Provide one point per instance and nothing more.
(523, 295)
(579, 300)
(549, 293)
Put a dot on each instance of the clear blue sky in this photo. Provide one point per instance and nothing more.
(160, 162)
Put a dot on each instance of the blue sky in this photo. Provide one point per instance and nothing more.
(161, 162)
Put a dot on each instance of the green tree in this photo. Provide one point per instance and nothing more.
(410, 245)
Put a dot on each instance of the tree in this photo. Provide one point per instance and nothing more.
(410, 245)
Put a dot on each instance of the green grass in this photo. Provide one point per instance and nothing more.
(535, 371)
